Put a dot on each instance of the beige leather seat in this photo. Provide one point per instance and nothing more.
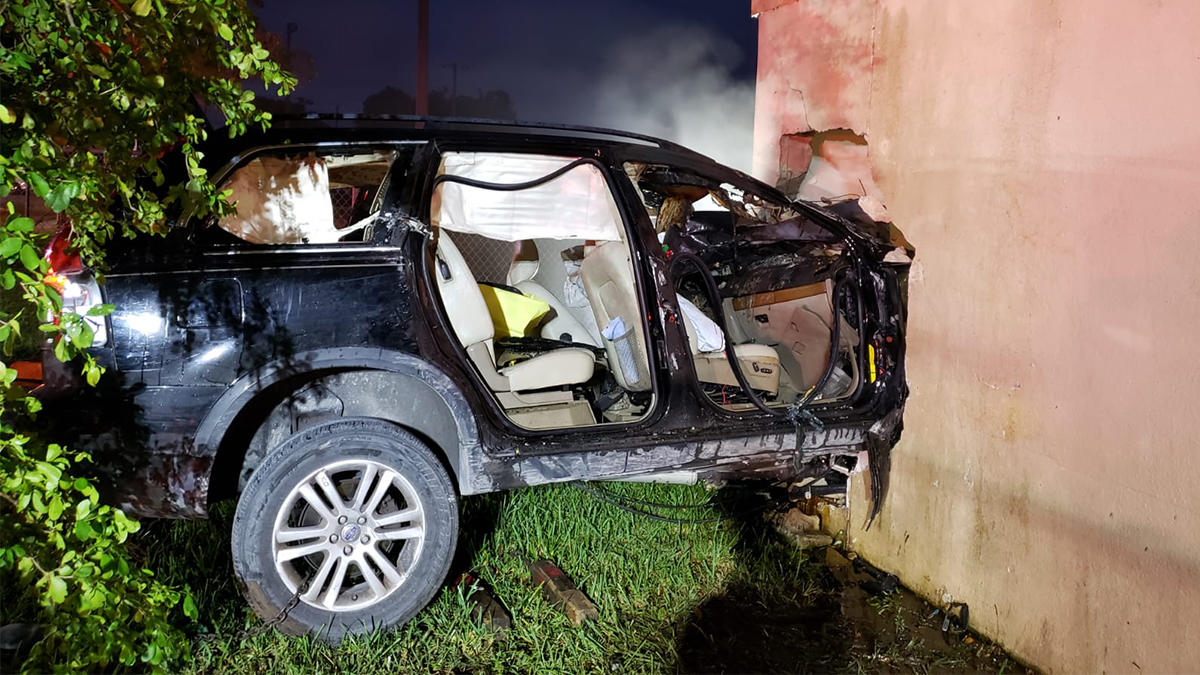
(520, 275)
(607, 275)
(472, 324)
(760, 363)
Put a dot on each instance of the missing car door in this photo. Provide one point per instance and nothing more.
(534, 270)
(776, 277)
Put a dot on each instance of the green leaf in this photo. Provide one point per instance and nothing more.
(83, 530)
(60, 351)
(140, 7)
(40, 188)
(60, 197)
(225, 32)
(6, 115)
(29, 258)
(58, 590)
(84, 338)
(101, 310)
(189, 608)
(8, 280)
(55, 508)
(21, 224)
(9, 247)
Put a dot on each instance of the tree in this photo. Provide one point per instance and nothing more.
(94, 94)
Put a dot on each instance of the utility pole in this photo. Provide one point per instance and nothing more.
(422, 103)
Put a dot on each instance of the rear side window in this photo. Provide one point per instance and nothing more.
(304, 197)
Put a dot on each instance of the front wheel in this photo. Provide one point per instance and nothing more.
(347, 527)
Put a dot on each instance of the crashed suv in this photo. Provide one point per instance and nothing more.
(403, 312)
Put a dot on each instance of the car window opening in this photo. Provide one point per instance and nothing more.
(307, 198)
(774, 271)
(537, 281)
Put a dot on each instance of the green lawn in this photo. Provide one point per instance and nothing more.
(646, 578)
(727, 596)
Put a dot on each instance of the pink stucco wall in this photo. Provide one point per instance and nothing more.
(1043, 158)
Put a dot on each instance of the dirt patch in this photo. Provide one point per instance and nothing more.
(854, 618)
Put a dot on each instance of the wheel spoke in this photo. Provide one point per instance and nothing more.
(397, 517)
(410, 532)
(293, 552)
(373, 581)
(381, 488)
(366, 478)
(318, 581)
(335, 582)
(291, 534)
(389, 570)
(330, 491)
(316, 503)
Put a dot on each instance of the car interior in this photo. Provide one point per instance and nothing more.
(538, 286)
(774, 273)
(538, 282)
(306, 198)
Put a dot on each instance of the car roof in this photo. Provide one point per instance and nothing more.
(310, 129)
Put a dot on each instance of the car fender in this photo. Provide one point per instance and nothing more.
(273, 402)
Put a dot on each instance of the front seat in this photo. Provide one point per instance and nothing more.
(759, 363)
(472, 324)
(607, 275)
(520, 275)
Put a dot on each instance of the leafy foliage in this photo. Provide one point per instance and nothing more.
(94, 96)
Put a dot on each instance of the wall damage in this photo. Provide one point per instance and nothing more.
(1046, 327)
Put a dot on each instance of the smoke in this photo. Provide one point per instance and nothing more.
(677, 82)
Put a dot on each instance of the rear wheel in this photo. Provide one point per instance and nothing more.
(349, 525)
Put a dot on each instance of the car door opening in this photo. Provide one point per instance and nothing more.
(536, 277)
(774, 273)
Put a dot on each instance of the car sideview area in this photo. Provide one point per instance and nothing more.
(386, 319)
(534, 270)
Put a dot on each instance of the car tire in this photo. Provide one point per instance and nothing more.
(347, 527)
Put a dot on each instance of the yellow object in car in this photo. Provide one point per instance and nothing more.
(513, 314)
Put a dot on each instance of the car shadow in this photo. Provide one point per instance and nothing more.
(778, 614)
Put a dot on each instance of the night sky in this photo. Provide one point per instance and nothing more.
(678, 68)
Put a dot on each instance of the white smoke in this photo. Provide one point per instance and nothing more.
(677, 83)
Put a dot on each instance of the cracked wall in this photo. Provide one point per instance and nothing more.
(1042, 157)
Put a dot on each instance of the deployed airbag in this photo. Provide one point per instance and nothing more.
(575, 205)
(281, 201)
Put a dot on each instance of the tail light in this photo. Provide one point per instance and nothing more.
(75, 283)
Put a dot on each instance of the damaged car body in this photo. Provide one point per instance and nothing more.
(406, 311)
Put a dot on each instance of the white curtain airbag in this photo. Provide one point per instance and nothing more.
(576, 205)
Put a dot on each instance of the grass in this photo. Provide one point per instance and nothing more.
(646, 578)
(727, 596)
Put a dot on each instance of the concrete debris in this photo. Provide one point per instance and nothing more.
(485, 608)
(560, 590)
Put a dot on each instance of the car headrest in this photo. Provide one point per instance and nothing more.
(522, 270)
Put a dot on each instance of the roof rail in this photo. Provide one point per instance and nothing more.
(475, 121)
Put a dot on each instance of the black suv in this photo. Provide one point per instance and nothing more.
(403, 311)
